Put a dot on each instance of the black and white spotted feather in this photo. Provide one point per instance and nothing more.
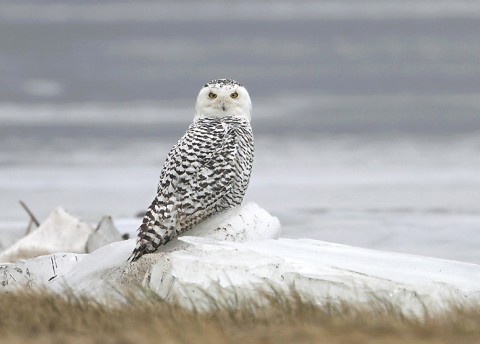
(206, 172)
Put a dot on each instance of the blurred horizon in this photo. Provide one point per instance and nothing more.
(342, 66)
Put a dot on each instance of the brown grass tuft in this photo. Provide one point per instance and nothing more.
(46, 318)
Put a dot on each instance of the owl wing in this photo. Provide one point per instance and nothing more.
(197, 174)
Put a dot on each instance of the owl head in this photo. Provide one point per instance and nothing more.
(223, 97)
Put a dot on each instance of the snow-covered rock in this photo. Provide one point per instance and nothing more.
(60, 232)
(36, 272)
(106, 270)
(245, 223)
(104, 234)
(107, 266)
(319, 271)
(235, 254)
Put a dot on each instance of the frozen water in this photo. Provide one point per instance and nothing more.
(104, 234)
(60, 232)
(319, 271)
(105, 271)
(233, 256)
(36, 272)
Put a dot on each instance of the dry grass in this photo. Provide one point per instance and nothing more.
(45, 318)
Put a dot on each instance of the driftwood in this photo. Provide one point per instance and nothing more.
(33, 219)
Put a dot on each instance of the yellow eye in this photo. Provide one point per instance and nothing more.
(234, 95)
(212, 95)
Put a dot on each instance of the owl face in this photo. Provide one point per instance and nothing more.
(223, 97)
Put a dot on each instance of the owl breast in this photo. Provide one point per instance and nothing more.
(241, 132)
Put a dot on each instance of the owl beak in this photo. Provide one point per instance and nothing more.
(224, 107)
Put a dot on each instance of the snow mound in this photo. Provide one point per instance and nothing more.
(36, 272)
(104, 271)
(243, 223)
(60, 232)
(236, 254)
(104, 234)
(319, 271)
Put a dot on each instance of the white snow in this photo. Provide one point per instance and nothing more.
(36, 272)
(104, 234)
(95, 274)
(237, 253)
(107, 267)
(319, 271)
(60, 232)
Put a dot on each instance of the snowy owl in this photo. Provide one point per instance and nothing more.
(207, 171)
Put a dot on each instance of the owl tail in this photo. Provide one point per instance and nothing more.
(139, 251)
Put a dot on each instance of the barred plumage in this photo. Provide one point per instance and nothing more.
(207, 171)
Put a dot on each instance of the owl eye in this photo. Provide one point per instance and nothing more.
(234, 95)
(212, 95)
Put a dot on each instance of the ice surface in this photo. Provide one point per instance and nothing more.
(104, 234)
(36, 272)
(235, 255)
(106, 270)
(61, 232)
(319, 271)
